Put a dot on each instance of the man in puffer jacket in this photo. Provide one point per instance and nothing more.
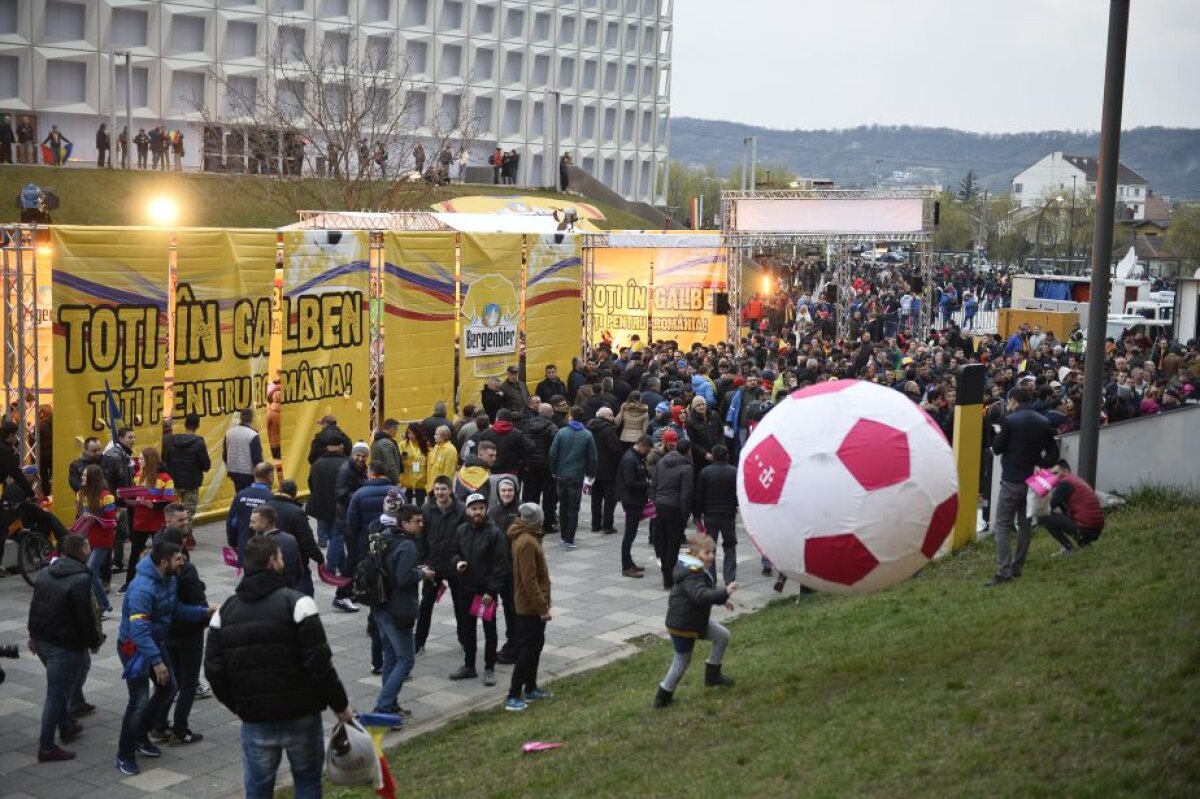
(572, 457)
(673, 500)
(480, 560)
(149, 609)
(187, 460)
(441, 518)
(269, 662)
(513, 449)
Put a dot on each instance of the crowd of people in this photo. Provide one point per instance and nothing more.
(460, 504)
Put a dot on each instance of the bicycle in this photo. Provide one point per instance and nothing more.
(36, 546)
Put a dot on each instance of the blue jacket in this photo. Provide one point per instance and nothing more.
(573, 453)
(366, 505)
(703, 386)
(237, 523)
(149, 609)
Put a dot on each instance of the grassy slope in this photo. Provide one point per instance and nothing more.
(102, 197)
(1082, 679)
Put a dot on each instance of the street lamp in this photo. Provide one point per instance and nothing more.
(162, 211)
(1071, 228)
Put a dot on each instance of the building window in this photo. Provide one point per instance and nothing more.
(8, 16)
(588, 83)
(610, 124)
(514, 66)
(129, 27)
(187, 91)
(566, 73)
(289, 97)
(1018, 188)
(514, 24)
(418, 54)
(485, 20)
(337, 49)
(66, 81)
(541, 71)
(566, 114)
(377, 11)
(416, 12)
(415, 105)
(241, 95)
(241, 39)
(187, 34)
(451, 109)
(451, 64)
(566, 30)
(289, 5)
(65, 21)
(588, 125)
(630, 80)
(610, 77)
(483, 114)
(9, 76)
(140, 78)
(485, 63)
(332, 9)
(291, 44)
(537, 120)
(591, 32)
(541, 27)
(612, 32)
(511, 124)
(379, 53)
(452, 16)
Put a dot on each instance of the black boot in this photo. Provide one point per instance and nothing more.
(664, 697)
(712, 676)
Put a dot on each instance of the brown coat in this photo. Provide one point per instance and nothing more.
(633, 421)
(531, 577)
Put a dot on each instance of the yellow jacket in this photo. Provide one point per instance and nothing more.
(413, 475)
(442, 459)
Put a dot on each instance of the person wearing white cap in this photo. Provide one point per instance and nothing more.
(479, 559)
(531, 592)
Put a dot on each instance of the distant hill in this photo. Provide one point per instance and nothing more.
(1168, 157)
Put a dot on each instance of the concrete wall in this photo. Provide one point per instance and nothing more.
(1162, 450)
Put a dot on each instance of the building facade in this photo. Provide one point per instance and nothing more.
(591, 78)
(1058, 174)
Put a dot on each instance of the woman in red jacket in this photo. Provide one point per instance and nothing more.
(158, 491)
(98, 503)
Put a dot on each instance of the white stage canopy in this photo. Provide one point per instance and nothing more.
(878, 216)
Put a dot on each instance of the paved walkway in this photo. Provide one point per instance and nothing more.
(596, 613)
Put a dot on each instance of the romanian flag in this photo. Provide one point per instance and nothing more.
(377, 724)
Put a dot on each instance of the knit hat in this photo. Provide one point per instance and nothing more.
(361, 446)
(393, 501)
(662, 407)
(531, 514)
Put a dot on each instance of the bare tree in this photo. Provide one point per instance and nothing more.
(337, 126)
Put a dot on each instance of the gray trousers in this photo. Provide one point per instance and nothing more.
(1009, 505)
(717, 633)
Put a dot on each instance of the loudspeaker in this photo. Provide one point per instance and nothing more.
(721, 303)
(969, 384)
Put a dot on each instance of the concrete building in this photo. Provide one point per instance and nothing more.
(593, 74)
(1057, 174)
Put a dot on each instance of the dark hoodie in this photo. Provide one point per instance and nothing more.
(64, 611)
(513, 449)
(187, 460)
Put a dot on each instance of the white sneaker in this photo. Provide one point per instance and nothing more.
(203, 691)
(346, 605)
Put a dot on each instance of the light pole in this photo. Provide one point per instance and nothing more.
(1071, 228)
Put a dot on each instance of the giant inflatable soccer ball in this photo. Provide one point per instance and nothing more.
(848, 487)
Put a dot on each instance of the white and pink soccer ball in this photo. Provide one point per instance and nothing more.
(848, 487)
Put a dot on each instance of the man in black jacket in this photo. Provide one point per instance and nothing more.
(479, 558)
(716, 502)
(92, 452)
(513, 449)
(184, 642)
(269, 662)
(187, 460)
(608, 455)
(290, 518)
(441, 517)
(540, 486)
(263, 523)
(117, 462)
(64, 623)
(633, 485)
(1024, 442)
(551, 386)
(329, 433)
(322, 491)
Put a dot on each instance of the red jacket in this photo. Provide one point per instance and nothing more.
(1081, 504)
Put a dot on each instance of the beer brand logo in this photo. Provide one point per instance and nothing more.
(491, 312)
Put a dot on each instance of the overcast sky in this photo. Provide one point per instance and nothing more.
(981, 65)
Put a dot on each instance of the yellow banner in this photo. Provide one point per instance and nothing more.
(619, 295)
(418, 322)
(685, 280)
(110, 335)
(553, 306)
(325, 365)
(222, 341)
(489, 309)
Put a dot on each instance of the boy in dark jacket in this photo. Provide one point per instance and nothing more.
(689, 617)
(400, 526)
(479, 559)
(716, 502)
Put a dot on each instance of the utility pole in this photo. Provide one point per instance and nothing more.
(112, 106)
(1071, 227)
(753, 163)
(1106, 197)
(876, 173)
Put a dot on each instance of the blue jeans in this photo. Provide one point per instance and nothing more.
(324, 531)
(63, 667)
(263, 745)
(398, 656)
(142, 708)
(95, 564)
(570, 495)
(335, 553)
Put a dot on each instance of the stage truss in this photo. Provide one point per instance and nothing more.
(741, 244)
(22, 392)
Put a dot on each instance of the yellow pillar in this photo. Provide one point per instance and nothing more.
(968, 450)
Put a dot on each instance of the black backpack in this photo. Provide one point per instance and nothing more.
(372, 585)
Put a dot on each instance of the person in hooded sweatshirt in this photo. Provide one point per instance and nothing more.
(689, 611)
(572, 458)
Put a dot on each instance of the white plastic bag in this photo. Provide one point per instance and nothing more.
(588, 482)
(350, 757)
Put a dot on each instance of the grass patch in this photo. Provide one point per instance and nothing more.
(105, 197)
(1081, 679)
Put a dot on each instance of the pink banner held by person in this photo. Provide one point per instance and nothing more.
(553, 305)
(222, 342)
(418, 323)
(326, 360)
(489, 309)
(110, 336)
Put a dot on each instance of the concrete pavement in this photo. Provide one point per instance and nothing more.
(596, 613)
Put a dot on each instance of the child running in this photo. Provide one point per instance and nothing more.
(692, 598)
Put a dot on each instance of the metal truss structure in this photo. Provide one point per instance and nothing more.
(370, 220)
(741, 245)
(18, 266)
